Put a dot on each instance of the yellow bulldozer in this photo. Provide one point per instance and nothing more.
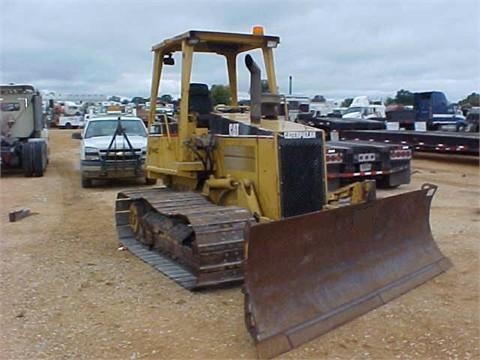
(244, 198)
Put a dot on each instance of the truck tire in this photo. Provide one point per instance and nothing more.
(150, 181)
(386, 183)
(68, 125)
(394, 180)
(334, 184)
(38, 156)
(27, 159)
(86, 182)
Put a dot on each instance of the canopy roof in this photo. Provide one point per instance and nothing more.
(216, 42)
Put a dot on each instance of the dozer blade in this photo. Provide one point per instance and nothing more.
(308, 274)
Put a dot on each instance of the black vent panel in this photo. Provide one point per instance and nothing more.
(302, 188)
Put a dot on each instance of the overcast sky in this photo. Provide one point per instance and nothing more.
(335, 48)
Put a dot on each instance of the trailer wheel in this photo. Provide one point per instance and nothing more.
(37, 158)
(27, 159)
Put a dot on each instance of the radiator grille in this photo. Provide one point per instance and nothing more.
(302, 187)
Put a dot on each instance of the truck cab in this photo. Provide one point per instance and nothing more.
(23, 133)
(433, 108)
(362, 108)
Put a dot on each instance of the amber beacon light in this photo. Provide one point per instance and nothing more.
(257, 30)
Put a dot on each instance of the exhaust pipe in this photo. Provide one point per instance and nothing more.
(255, 90)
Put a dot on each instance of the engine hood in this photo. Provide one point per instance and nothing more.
(102, 142)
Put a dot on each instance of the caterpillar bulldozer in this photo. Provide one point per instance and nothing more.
(244, 198)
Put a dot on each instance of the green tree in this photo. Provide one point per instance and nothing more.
(220, 94)
(166, 98)
(346, 102)
(138, 100)
(471, 100)
(318, 99)
(264, 86)
(389, 101)
(114, 98)
(403, 97)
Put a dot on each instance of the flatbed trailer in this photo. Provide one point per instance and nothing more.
(433, 141)
(350, 161)
(337, 125)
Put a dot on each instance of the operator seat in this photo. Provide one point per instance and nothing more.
(199, 101)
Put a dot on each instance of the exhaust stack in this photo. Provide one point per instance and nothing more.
(255, 90)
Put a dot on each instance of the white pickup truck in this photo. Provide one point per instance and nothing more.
(113, 147)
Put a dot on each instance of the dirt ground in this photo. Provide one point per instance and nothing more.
(68, 292)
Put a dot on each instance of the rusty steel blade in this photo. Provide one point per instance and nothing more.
(308, 274)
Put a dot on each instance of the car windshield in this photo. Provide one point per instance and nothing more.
(353, 110)
(107, 127)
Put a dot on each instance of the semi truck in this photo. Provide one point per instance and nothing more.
(433, 108)
(23, 133)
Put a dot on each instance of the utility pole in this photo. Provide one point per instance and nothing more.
(290, 85)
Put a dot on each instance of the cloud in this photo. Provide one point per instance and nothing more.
(335, 48)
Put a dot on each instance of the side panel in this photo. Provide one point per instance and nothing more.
(252, 158)
(162, 159)
(268, 193)
(161, 153)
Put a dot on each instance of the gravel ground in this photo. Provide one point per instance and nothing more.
(68, 292)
